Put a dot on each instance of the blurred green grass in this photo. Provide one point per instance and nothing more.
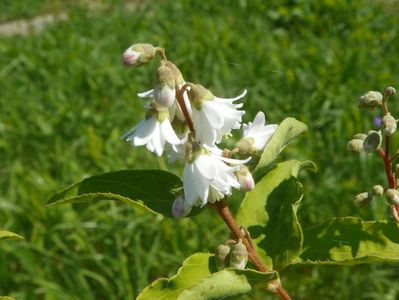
(66, 98)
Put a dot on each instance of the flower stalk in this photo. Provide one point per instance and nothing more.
(225, 213)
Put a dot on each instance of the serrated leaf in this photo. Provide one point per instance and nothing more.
(349, 241)
(8, 235)
(152, 190)
(197, 279)
(286, 131)
(269, 214)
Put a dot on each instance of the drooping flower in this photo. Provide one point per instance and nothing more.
(207, 177)
(213, 117)
(256, 135)
(154, 131)
(138, 54)
(164, 93)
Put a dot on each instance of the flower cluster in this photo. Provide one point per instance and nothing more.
(379, 141)
(188, 122)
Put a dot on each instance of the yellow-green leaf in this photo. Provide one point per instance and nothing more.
(8, 235)
(349, 240)
(269, 214)
(198, 279)
(286, 131)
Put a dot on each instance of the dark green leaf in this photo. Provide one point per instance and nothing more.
(197, 279)
(349, 240)
(153, 190)
(269, 214)
(286, 131)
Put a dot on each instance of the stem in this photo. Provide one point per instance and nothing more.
(225, 213)
(161, 52)
(182, 104)
(387, 164)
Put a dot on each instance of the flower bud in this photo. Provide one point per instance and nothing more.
(180, 209)
(138, 54)
(221, 253)
(355, 145)
(390, 91)
(177, 75)
(164, 91)
(245, 178)
(389, 125)
(378, 190)
(392, 196)
(360, 136)
(238, 256)
(246, 146)
(362, 199)
(370, 100)
(373, 141)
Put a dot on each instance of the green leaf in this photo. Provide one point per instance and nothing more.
(286, 131)
(197, 279)
(349, 241)
(152, 190)
(269, 214)
(8, 235)
(6, 298)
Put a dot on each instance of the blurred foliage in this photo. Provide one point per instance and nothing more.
(66, 99)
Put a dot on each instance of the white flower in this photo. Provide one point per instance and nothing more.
(174, 108)
(213, 117)
(154, 131)
(256, 135)
(207, 178)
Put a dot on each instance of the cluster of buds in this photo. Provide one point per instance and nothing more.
(231, 254)
(188, 122)
(378, 141)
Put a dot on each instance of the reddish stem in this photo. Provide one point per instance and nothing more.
(387, 164)
(225, 213)
(182, 104)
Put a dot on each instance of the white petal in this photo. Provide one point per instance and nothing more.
(235, 98)
(157, 140)
(168, 133)
(144, 132)
(146, 94)
(213, 114)
(205, 166)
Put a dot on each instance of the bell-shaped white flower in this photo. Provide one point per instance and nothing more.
(154, 131)
(213, 117)
(207, 177)
(256, 135)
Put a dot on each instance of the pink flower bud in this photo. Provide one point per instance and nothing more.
(138, 54)
(245, 179)
(180, 209)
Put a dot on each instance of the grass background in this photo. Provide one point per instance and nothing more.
(65, 99)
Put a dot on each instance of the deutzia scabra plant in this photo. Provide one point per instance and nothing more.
(188, 123)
